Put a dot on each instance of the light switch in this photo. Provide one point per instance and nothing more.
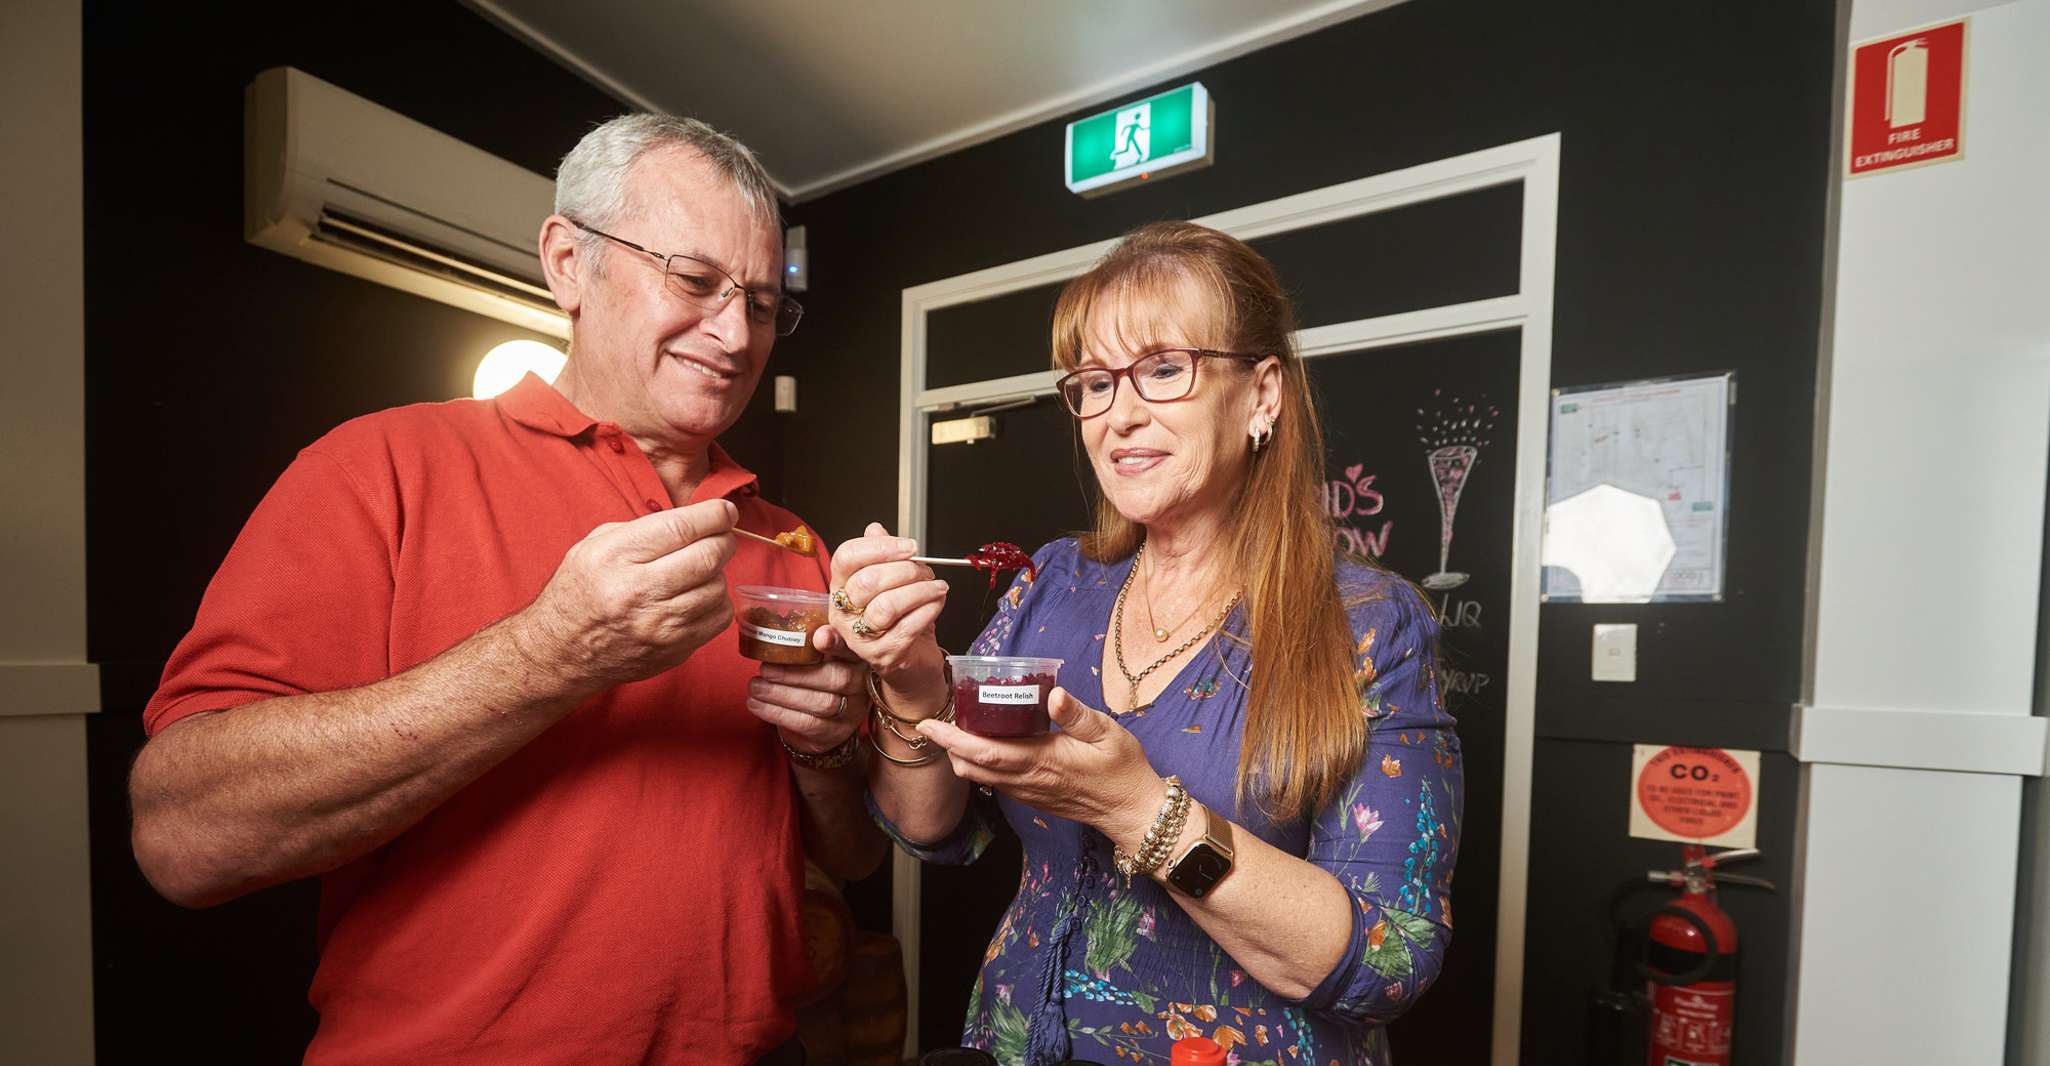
(786, 394)
(1615, 651)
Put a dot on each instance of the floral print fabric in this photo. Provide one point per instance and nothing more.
(1083, 965)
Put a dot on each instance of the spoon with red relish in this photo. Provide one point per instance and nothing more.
(994, 558)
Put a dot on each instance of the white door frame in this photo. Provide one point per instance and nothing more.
(1535, 163)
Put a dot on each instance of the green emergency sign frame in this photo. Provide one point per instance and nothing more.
(1185, 118)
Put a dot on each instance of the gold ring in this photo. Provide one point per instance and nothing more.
(846, 605)
(864, 630)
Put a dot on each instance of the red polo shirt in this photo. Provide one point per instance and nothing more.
(622, 890)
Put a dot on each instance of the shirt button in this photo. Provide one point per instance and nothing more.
(652, 505)
(612, 442)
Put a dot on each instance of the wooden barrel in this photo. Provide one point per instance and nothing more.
(873, 1001)
(828, 928)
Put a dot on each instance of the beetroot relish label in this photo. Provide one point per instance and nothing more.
(999, 702)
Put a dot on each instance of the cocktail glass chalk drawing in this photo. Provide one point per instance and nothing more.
(1454, 435)
(1449, 467)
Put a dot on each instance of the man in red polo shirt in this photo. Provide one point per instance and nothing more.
(472, 662)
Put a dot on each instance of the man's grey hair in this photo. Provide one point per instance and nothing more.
(590, 185)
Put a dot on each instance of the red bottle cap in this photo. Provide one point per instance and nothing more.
(1196, 1051)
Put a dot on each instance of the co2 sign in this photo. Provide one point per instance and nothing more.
(1695, 795)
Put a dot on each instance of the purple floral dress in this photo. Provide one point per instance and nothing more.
(1083, 966)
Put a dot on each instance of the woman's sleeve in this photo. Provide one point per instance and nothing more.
(978, 821)
(958, 848)
(1393, 834)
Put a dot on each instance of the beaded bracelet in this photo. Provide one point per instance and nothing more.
(1160, 837)
(1170, 832)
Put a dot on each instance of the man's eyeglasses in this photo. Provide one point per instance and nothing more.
(1160, 377)
(710, 287)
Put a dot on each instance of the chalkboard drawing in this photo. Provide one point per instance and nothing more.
(1455, 439)
(1134, 142)
(1449, 467)
(1356, 496)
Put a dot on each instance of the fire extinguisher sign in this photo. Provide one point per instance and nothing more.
(1907, 100)
(1695, 795)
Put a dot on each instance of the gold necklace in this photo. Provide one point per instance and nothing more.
(1117, 636)
(1146, 597)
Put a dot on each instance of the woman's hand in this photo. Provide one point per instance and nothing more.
(884, 609)
(1092, 770)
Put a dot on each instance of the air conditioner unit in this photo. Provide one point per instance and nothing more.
(336, 180)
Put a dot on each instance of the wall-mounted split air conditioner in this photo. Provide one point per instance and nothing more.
(334, 179)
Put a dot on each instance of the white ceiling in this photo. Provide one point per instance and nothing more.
(833, 92)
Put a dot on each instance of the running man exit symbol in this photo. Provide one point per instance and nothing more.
(1139, 140)
(1134, 136)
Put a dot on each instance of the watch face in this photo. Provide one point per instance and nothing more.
(1200, 870)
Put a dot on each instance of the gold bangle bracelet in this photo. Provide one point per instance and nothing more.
(916, 742)
(875, 741)
(882, 706)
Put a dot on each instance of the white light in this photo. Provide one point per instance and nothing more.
(504, 366)
(1615, 542)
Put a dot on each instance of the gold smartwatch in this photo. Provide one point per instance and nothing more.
(1207, 861)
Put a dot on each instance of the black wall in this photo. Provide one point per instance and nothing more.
(1696, 156)
(209, 363)
(1690, 237)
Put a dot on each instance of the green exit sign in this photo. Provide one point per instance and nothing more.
(1149, 138)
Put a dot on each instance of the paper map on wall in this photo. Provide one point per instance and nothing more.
(1635, 503)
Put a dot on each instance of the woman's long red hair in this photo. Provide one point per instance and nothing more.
(1304, 733)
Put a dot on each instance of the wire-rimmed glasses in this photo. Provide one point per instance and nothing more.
(709, 287)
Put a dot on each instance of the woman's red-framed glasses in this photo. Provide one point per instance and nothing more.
(1159, 377)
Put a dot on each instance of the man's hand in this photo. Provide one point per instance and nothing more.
(816, 707)
(633, 599)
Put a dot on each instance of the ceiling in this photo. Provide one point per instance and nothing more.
(834, 92)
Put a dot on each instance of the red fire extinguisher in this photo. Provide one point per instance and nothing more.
(1690, 964)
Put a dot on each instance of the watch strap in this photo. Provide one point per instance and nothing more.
(1197, 878)
(834, 758)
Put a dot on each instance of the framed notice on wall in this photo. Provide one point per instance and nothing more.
(1637, 491)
